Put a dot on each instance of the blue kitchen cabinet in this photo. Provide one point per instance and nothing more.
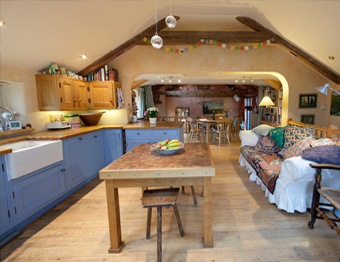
(78, 160)
(33, 192)
(6, 222)
(113, 143)
(98, 157)
(160, 135)
(134, 137)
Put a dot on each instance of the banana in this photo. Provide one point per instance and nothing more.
(174, 140)
(174, 145)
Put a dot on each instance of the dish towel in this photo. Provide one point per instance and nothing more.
(120, 98)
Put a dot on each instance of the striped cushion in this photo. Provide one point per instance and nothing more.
(297, 148)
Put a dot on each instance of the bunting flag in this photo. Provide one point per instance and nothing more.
(212, 42)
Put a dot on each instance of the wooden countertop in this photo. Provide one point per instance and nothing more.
(62, 134)
(4, 151)
(193, 160)
(160, 125)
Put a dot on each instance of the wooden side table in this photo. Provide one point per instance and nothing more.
(331, 194)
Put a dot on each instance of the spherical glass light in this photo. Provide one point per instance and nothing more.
(156, 41)
(170, 21)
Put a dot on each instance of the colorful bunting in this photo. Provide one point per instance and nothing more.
(212, 42)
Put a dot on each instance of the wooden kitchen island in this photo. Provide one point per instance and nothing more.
(142, 167)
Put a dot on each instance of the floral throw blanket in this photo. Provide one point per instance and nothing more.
(266, 165)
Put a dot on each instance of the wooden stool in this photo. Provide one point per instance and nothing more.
(159, 198)
(193, 194)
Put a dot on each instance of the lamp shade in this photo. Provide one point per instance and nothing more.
(323, 89)
(266, 101)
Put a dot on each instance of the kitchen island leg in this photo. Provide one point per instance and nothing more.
(116, 243)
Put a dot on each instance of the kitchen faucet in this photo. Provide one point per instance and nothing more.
(2, 128)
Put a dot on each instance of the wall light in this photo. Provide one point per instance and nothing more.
(2, 22)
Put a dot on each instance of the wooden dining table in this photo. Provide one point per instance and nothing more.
(143, 167)
(211, 122)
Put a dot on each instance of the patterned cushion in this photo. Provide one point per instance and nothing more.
(328, 154)
(297, 148)
(262, 130)
(266, 144)
(294, 134)
(336, 141)
(325, 141)
(277, 134)
(321, 142)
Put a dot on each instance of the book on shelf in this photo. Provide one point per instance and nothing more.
(104, 74)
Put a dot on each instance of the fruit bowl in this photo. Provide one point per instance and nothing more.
(166, 151)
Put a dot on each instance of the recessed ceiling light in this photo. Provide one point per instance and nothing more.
(179, 80)
(2, 22)
(331, 57)
(83, 56)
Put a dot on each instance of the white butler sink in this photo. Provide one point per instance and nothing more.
(28, 156)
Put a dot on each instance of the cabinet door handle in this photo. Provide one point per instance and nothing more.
(164, 133)
(62, 170)
(138, 133)
(74, 100)
(95, 136)
(80, 138)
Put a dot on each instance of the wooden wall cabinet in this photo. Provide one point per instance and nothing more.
(64, 93)
(103, 94)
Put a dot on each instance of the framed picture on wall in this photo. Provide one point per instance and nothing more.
(307, 119)
(307, 101)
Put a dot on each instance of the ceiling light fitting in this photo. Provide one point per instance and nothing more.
(170, 20)
(170, 79)
(2, 22)
(156, 40)
(244, 79)
(331, 57)
(83, 56)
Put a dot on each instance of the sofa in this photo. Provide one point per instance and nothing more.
(285, 176)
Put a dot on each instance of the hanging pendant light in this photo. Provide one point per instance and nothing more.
(170, 20)
(156, 40)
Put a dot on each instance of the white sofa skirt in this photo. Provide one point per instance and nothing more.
(294, 187)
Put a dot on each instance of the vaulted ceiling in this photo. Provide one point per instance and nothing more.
(37, 33)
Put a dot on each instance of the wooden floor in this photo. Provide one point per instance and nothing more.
(245, 226)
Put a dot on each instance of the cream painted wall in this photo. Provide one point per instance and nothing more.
(22, 98)
(300, 78)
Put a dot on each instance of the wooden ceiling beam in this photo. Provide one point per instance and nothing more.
(292, 49)
(122, 48)
(205, 93)
(138, 83)
(273, 83)
(192, 37)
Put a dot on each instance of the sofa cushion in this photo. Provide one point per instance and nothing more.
(277, 134)
(297, 148)
(321, 142)
(267, 144)
(295, 134)
(262, 129)
(328, 154)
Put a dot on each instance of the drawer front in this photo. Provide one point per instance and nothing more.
(166, 133)
(138, 133)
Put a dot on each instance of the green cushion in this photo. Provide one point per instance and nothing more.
(277, 134)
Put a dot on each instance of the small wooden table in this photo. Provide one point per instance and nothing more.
(142, 167)
(209, 122)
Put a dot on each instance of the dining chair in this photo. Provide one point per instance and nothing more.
(194, 132)
(222, 132)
